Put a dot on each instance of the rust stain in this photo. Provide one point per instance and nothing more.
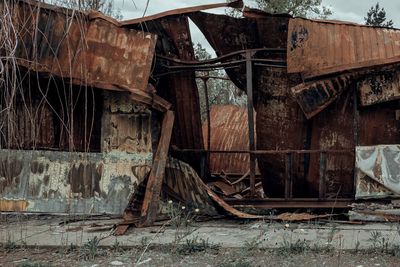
(313, 97)
(179, 89)
(84, 179)
(379, 88)
(93, 52)
(297, 217)
(10, 169)
(13, 205)
(280, 122)
(229, 131)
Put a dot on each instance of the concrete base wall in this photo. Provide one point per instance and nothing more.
(69, 182)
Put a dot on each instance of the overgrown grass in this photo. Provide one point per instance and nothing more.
(90, 249)
(197, 244)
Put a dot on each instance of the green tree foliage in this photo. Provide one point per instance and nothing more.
(298, 8)
(221, 91)
(376, 16)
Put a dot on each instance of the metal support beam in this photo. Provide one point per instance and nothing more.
(205, 79)
(276, 203)
(289, 176)
(252, 145)
(322, 168)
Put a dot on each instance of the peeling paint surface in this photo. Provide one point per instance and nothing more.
(379, 88)
(67, 182)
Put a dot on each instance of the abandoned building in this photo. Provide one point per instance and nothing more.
(102, 116)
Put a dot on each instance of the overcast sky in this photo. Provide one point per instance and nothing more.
(348, 10)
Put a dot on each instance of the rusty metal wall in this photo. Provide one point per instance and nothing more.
(317, 47)
(280, 121)
(179, 89)
(379, 88)
(65, 182)
(334, 129)
(66, 43)
(229, 131)
(281, 125)
(379, 124)
(27, 126)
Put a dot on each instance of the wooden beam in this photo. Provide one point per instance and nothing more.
(153, 189)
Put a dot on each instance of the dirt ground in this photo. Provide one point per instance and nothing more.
(213, 257)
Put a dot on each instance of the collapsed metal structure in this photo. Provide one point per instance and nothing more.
(319, 89)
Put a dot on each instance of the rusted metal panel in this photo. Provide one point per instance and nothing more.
(229, 131)
(34, 120)
(67, 182)
(379, 88)
(313, 97)
(318, 48)
(280, 123)
(379, 124)
(242, 33)
(180, 89)
(26, 126)
(333, 129)
(181, 183)
(65, 43)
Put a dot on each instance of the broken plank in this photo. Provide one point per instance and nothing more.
(153, 189)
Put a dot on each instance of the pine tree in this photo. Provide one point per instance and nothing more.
(376, 16)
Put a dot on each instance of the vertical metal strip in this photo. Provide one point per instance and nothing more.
(322, 168)
(252, 147)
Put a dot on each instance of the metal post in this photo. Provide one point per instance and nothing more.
(252, 146)
(205, 79)
(356, 122)
(322, 168)
(289, 176)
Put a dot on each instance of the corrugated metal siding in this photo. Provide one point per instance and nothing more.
(229, 131)
(34, 120)
(182, 181)
(322, 47)
(64, 43)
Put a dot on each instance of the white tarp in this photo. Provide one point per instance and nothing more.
(378, 171)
